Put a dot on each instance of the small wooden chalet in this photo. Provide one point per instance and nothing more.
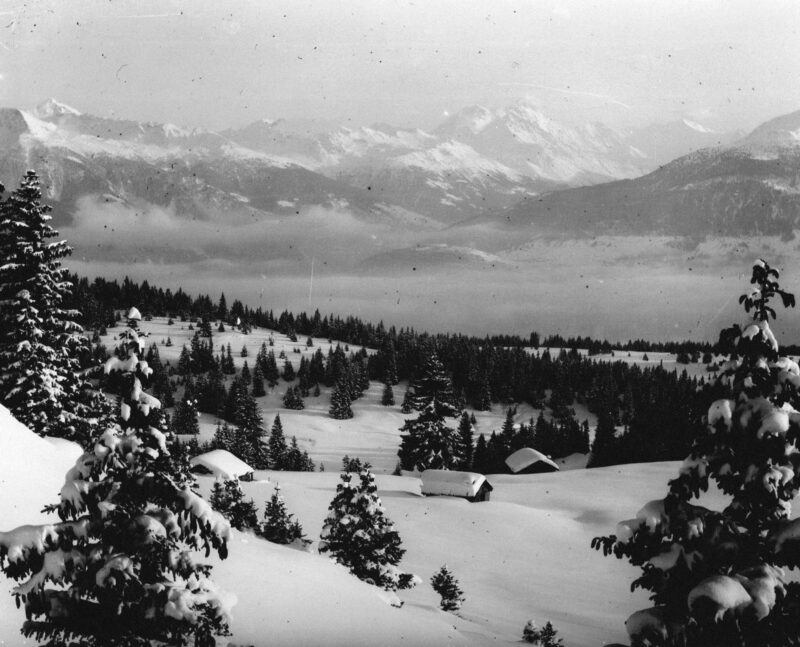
(467, 485)
(222, 464)
(529, 461)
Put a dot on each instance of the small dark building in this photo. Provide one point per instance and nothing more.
(529, 461)
(468, 485)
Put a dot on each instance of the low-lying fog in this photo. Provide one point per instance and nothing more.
(478, 281)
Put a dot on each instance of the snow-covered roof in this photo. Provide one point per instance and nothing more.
(450, 483)
(526, 456)
(222, 463)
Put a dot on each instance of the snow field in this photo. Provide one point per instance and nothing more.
(524, 554)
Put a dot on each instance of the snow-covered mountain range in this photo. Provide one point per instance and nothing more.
(749, 188)
(477, 161)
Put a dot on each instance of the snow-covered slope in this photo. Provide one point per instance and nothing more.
(32, 472)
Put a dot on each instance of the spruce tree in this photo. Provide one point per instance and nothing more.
(716, 577)
(185, 419)
(227, 498)
(120, 560)
(279, 526)
(605, 447)
(292, 399)
(387, 398)
(288, 371)
(258, 382)
(406, 406)
(277, 445)
(443, 582)
(465, 432)
(271, 373)
(427, 441)
(340, 402)
(358, 534)
(41, 381)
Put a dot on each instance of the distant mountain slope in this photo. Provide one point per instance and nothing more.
(752, 188)
(198, 173)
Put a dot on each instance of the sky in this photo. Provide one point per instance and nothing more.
(211, 64)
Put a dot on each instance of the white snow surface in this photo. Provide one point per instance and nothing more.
(222, 464)
(523, 554)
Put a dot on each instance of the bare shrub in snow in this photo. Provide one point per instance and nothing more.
(716, 577)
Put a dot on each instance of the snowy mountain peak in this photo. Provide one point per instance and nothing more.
(695, 126)
(52, 108)
(472, 118)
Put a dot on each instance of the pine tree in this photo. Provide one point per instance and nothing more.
(544, 637)
(406, 406)
(41, 381)
(427, 441)
(271, 373)
(465, 432)
(716, 577)
(358, 534)
(247, 417)
(605, 447)
(288, 371)
(292, 399)
(340, 402)
(277, 445)
(480, 458)
(279, 526)
(387, 398)
(447, 587)
(185, 419)
(258, 382)
(227, 498)
(121, 559)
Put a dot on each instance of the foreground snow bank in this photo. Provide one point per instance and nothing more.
(32, 472)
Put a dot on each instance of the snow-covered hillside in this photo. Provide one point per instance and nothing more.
(524, 554)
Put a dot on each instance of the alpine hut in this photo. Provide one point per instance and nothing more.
(222, 464)
(529, 461)
(467, 485)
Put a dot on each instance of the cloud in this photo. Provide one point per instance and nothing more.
(120, 231)
(580, 93)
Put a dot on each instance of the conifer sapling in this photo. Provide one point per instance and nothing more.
(447, 587)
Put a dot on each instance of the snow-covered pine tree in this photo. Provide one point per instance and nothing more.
(118, 568)
(716, 577)
(227, 498)
(41, 381)
(279, 526)
(428, 442)
(358, 534)
(446, 585)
